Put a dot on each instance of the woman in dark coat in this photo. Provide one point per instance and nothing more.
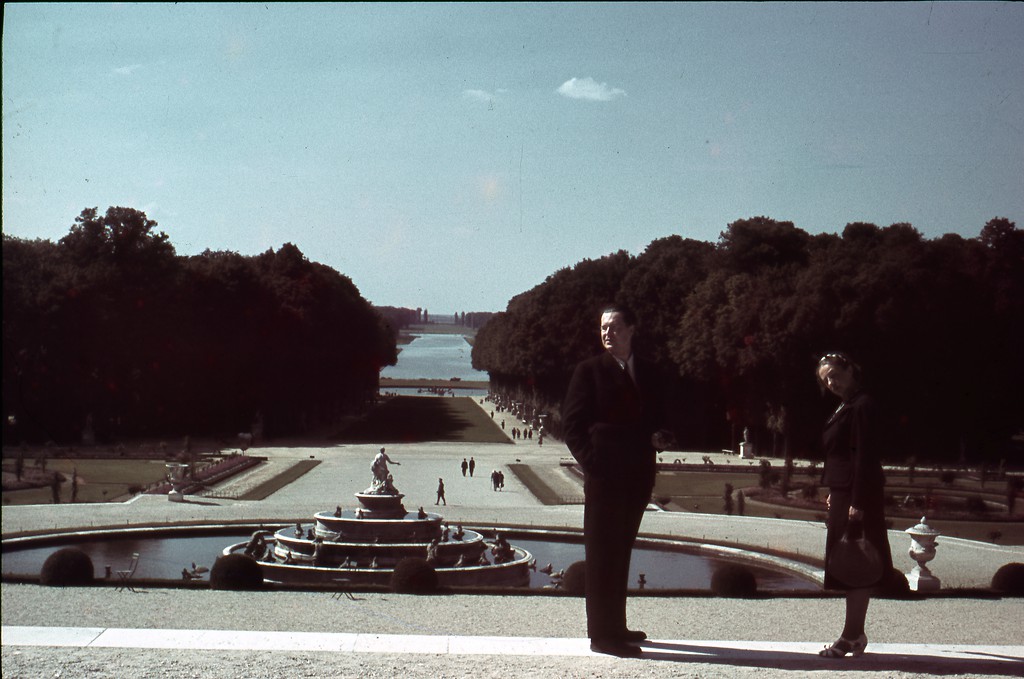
(853, 474)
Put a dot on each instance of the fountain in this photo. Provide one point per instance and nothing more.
(363, 545)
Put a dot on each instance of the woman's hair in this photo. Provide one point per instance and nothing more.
(840, 359)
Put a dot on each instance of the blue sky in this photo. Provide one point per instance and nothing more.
(452, 156)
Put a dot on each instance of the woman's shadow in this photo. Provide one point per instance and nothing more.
(794, 658)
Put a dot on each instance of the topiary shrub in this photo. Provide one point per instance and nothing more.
(414, 575)
(236, 572)
(575, 579)
(1009, 579)
(733, 580)
(895, 586)
(67, 567)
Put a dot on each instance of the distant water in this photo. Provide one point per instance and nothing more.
(435, 357)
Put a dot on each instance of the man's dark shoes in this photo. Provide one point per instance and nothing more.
(633, 636)
(615, 647)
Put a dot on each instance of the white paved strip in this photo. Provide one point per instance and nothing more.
(49, 636)
(774, 651)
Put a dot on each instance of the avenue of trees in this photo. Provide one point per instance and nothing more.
(938, 326)
(109, 332)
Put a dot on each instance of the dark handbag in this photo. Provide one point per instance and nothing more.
(854, 561)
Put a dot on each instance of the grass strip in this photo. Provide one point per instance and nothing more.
(276, 483)
(413, 419)
(535, 484)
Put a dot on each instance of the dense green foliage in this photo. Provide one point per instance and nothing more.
(109, 326)
(936, 325)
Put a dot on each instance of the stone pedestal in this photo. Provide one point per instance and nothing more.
(922, 550)
(747, 451)
(176, 475)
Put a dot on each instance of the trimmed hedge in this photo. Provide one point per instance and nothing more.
(236, 572)
(575, 579)
(67, 567)
(734, 581)
(414, 575)
(1009, 579)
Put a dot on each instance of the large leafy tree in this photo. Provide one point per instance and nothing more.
(934, 323)
(109, 326)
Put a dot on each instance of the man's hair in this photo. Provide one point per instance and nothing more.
(627, 314)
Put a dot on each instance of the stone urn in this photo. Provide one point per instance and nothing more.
(176, 475)
(922, 550)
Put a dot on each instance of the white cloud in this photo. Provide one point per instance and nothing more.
(589, 89)
(478, 95)
(127, 70)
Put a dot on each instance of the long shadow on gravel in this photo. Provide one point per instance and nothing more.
(417, 419)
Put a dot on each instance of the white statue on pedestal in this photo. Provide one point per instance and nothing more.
(922, 550)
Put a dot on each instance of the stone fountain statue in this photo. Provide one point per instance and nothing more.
(383, 481)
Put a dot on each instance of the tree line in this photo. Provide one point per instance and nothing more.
(109, 333)
(935, 323)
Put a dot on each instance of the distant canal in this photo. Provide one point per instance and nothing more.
(435, 357)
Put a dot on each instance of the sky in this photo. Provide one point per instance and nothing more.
(452, 156)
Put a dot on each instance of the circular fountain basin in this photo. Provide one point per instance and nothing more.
(302, 570)
(350, 526)
(676, 564)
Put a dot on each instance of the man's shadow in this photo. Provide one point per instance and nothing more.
(983, 664)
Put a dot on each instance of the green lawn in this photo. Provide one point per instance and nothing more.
(98, 480)
(416, 419)
(703, 492)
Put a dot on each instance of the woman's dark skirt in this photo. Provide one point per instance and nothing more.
(874, 531)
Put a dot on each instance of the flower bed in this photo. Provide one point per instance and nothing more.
(207, 476)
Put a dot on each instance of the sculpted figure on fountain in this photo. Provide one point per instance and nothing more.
(383, 481)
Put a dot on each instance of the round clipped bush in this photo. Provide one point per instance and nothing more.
(575, 579)
(895, 586)
(236, 572)
(733, 580)
(1009, 579)
(67, 567)
(413, 575)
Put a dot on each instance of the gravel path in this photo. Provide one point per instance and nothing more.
(936, 621)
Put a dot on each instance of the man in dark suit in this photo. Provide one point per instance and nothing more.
(614, 417)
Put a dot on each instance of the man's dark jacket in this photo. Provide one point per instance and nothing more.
(608, 420)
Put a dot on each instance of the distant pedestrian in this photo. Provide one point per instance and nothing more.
(440, 493)
(465, 466)
(472, 466)
(501, 480)
(494, 480)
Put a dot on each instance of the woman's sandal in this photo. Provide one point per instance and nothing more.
(841, 647)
